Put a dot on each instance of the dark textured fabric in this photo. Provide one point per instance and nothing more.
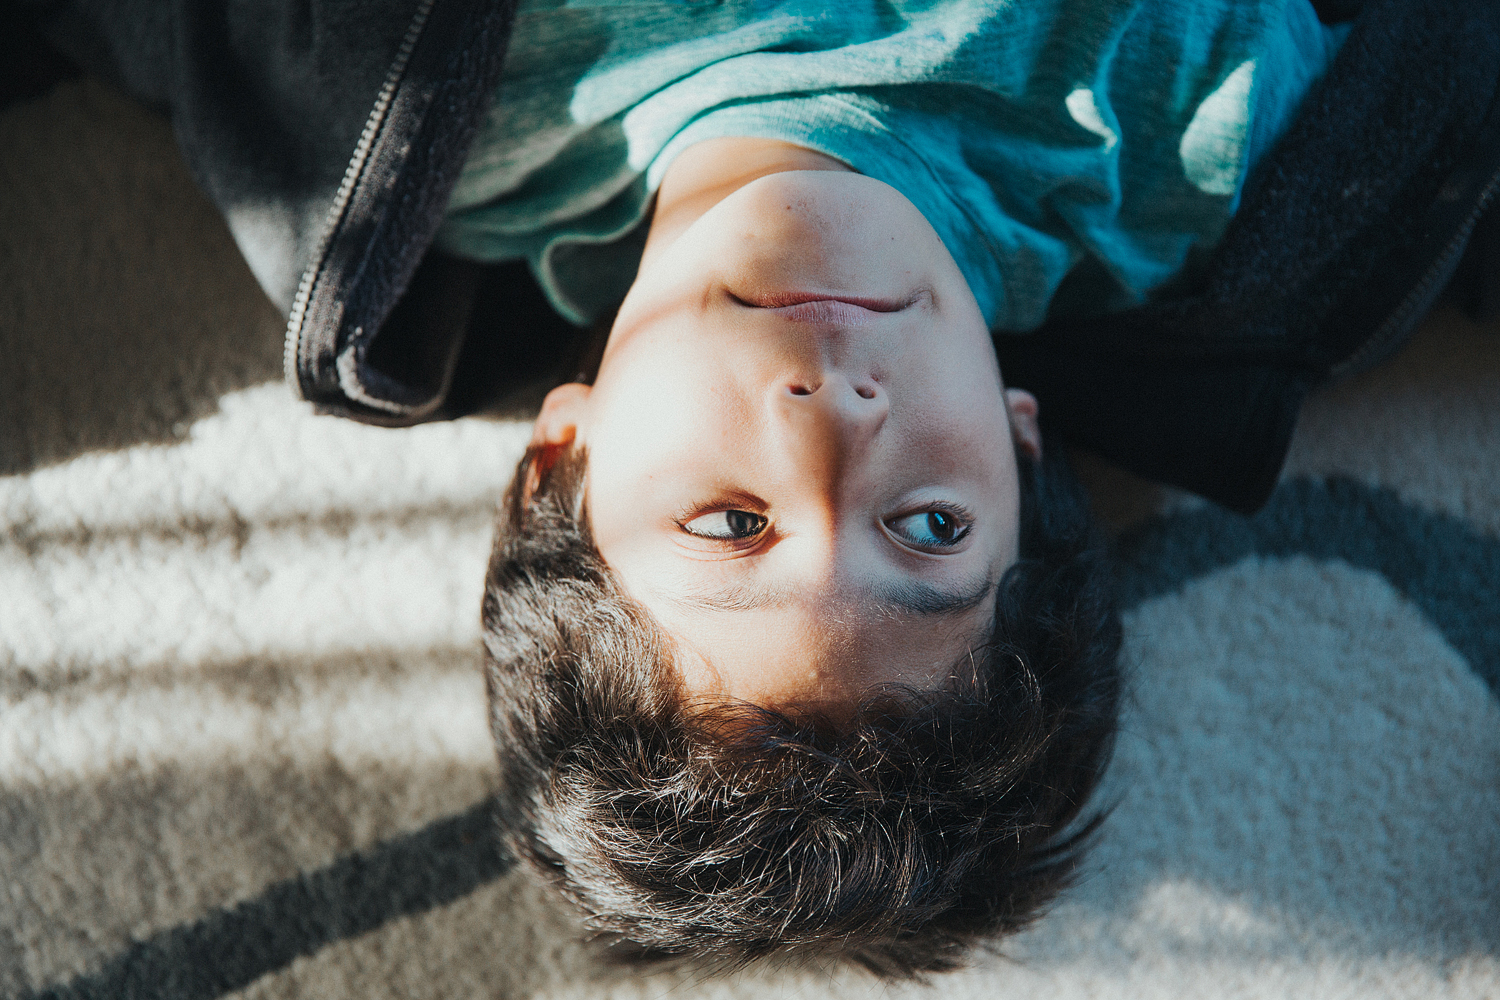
(382, 232)
(1476, 285)
(1337, 11)
(29, 65)
(1341, 237)
(267, 101)
(284, 111)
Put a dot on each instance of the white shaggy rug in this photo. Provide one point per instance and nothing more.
(242, 740)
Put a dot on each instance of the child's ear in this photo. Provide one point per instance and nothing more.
(557, 423)
(1024, 429)
(555, 431)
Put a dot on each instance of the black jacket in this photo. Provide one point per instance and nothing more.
(330, 133)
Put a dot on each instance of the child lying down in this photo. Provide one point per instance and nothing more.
(798, 635)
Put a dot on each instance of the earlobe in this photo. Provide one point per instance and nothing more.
(1025, 430)
(557, 423)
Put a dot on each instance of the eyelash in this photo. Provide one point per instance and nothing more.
(723, 506)
(964, 523)
(724, 503)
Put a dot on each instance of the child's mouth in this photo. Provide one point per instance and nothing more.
(827, 312)
(784, 300)
(827, 309)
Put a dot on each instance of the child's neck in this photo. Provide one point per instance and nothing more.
(706, 173)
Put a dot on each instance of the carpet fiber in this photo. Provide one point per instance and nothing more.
(242, 740)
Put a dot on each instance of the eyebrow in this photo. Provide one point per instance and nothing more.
(911, 596)
(925, 599)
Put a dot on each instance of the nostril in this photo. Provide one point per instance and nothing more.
(865, 392)
(800, 390)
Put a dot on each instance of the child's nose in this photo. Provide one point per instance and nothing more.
(833, 413)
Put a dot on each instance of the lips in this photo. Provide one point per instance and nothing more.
(829, 312)
(824, 309)
(783, 300)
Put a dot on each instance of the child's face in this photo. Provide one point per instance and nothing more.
(800, 451)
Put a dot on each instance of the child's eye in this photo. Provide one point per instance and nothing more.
(725, 525)
(931, 529)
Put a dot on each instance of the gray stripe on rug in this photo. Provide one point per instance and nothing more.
(232, 948)
(1438, 562)
(1443, 566)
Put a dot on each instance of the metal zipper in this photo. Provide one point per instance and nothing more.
(373, 123)
(1396, 325)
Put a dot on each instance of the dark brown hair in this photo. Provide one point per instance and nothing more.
(898, 842)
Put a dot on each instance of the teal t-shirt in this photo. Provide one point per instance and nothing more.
(1074, 155)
